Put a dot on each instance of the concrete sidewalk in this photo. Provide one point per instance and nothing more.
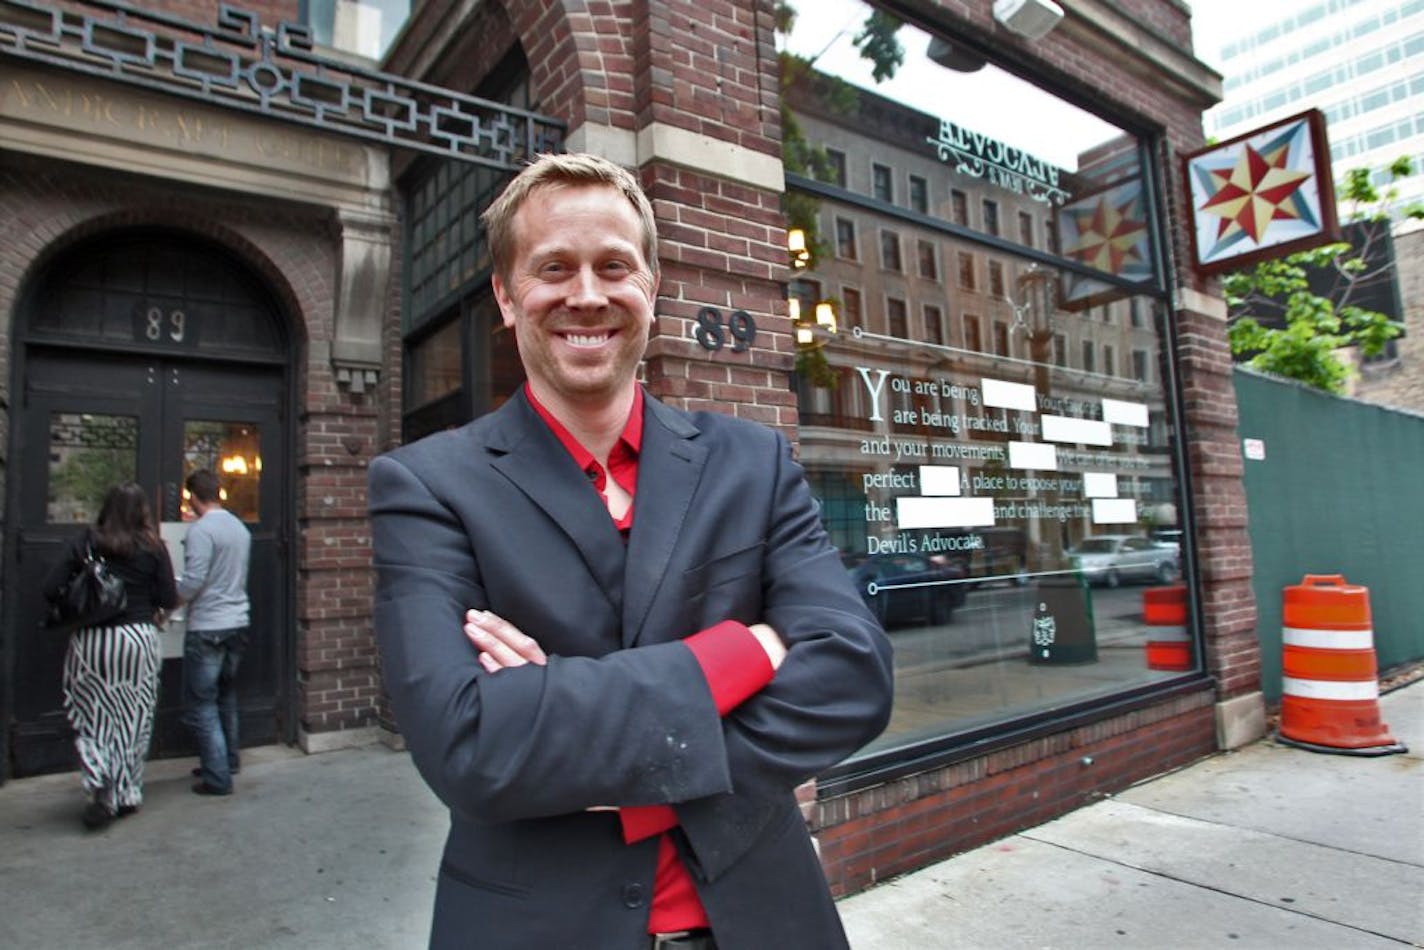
(1266, 847)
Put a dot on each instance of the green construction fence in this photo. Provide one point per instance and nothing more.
(1339, 490)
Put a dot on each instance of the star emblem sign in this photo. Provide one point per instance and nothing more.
(1109, 234)
(1258, 189)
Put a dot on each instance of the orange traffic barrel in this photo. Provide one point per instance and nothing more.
(1330, 686)
(1169, 645)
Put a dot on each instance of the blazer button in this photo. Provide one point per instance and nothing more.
(633, 895)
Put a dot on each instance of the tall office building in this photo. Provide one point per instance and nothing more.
(1360, 61)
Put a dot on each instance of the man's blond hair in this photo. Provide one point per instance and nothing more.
(551, 171)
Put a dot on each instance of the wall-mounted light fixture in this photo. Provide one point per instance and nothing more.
(796, 246)
(1031, 19)
(817, 330)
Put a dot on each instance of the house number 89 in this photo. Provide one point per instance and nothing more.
(157, 325)
(712, 335)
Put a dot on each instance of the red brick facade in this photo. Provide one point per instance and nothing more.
(49, 206)
(708, 69)
(912, 822)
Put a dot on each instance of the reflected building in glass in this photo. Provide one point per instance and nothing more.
(989, 404)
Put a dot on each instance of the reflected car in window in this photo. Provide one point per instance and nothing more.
(1111, 559)
(901, 588)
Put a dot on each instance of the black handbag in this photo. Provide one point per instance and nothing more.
(92, 596)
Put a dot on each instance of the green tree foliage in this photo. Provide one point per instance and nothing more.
(877, 42)
(1310, 328)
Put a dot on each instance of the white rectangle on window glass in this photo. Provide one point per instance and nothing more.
(1008, 395)
(1114, 511)
(1033, 455)
(1122, 413)
(912, 512)
(1085, 431)
(1099, 485)
(939, 479)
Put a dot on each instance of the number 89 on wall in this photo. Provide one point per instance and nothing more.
(739, 330)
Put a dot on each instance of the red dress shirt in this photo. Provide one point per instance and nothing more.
(732, 661)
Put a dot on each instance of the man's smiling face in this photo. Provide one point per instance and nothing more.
(578, 294)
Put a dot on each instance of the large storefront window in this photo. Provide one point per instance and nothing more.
(990, 431)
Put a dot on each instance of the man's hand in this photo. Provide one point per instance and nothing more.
(501, 644)
(771, 642)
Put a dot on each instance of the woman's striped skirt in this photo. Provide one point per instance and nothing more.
(110, 694)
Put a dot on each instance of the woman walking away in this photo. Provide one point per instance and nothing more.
(111, 671)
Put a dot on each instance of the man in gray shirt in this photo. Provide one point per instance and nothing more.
(214, 586)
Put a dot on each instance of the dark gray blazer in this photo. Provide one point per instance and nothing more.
(496, 515)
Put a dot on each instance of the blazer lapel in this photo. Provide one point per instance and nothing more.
(530, 455)
(670, 467)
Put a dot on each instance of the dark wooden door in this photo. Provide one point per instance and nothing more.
(89, 420)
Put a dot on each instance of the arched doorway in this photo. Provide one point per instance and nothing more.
(144, 355)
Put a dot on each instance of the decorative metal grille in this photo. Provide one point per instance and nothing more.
(70, 430)
(242, 64)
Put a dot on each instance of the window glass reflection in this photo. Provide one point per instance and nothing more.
(364, 27)
(981, 148)
(232, 451)
(89, 453)
(998, 474)
(436, 365)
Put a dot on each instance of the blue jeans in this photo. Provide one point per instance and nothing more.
(210, 661)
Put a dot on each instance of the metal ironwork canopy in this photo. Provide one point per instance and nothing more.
(273, 72)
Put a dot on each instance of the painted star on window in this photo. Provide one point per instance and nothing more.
(1257, 190)
(1109, 235)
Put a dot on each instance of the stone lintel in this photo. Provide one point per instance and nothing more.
(1158, 55)
(81, 119)
(660, 142)
(1197, 302)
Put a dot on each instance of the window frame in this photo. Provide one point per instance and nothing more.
(882, 179)
(841, 241)
(921, 246)
(899, 264)
(919, 197)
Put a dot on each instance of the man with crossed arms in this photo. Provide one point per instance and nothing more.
(659, 642)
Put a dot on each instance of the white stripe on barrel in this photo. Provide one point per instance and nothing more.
(1329, 639)
(1330, 689)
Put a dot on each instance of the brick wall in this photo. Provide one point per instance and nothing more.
(45, 206)
(721, 246)
(709, 68)
(876, 833)
(1400, 382)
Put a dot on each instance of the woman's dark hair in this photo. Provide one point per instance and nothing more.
(125, 522)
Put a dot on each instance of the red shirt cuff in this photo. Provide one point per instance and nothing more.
(644, 821)
(733, 662)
